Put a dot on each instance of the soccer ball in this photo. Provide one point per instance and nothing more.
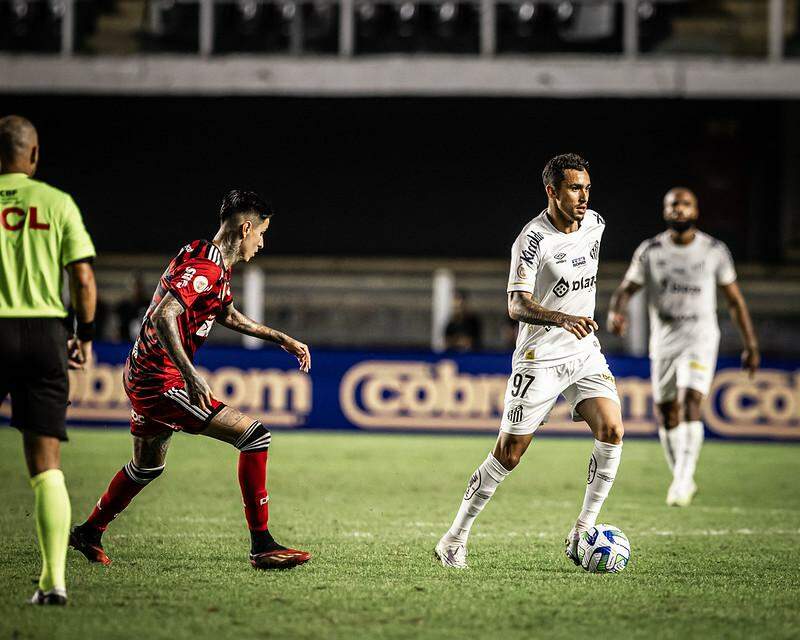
(604, 549)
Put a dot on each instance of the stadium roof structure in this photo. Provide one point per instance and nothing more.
(344, 71)
(552, 76)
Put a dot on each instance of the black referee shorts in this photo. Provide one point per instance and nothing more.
(33, 371)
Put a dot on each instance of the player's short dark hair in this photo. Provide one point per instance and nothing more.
(554, 169)
(17, 135)
(240, 201)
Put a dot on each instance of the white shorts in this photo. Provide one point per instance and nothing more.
(531, 393)
(691, 369)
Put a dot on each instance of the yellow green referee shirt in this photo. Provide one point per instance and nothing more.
(41, 231)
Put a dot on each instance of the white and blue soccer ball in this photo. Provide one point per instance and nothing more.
(604, 549)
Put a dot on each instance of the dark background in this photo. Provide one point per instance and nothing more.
(395, 176)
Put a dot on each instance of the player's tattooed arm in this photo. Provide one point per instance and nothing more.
(751, 358)
(234, 319)
(165, 322)
(522, 307)
(617, 322)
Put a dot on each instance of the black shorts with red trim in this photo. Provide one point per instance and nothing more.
(171, 409)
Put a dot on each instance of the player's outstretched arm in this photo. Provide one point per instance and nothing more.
(617, 322)
(751, 358)
(83, 296)
(234, 319)
(165, 322)
(523, 308)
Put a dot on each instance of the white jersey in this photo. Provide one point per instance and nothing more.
(681, 284)
(560, 271)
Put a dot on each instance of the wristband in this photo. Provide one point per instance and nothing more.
(86, 331)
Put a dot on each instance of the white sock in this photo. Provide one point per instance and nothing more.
(677, 440)
(693, 443)
(480, 489)
(668, 452)
(603, 466)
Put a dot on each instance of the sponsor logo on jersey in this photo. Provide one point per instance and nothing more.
(595, 250)
(514, 414)
(579, 262)
(186, 277)
(560, 258)
(522, 272)
(670, 286)
(529, 253)
(563, 287)
(592, 469)
(473, 485)
(200, 284)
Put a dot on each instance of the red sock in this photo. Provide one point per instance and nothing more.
(118, 496)
(253, 482)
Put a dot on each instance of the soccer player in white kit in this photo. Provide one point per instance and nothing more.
(551, 292)
(680, 270)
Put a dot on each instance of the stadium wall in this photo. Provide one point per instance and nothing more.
(425, 392)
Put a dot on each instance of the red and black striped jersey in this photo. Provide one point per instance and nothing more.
(199, 280)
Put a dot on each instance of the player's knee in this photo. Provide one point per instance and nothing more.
(611, 431)
(508, 457)
(142, 475)
(255, 438)
(691, 405)
(670, 415)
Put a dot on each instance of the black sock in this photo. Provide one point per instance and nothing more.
(262, 541)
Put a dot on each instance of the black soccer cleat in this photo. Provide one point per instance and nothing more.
(88, 541)
(282, 558)
(57, 597)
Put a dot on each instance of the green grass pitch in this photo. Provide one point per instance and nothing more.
(371, 507)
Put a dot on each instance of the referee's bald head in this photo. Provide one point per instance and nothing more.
(19, 144)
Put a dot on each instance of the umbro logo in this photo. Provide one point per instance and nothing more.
(474, 484)
(514, 414)
(560, 258)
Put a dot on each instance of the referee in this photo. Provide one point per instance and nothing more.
(41, 233)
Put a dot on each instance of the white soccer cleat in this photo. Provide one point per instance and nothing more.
(684, 498)
(451, 553)
(673, 494)
(571, 546)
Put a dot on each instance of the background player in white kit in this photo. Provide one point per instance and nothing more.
(551, 292)
(680, 269)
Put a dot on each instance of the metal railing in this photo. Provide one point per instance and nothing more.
(488, 28)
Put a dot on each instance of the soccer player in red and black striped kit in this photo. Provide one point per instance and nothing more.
(167, 393)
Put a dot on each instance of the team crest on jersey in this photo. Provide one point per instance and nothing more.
(561, 288)
(522, 272)
(514, 414)
(200, 284)
(474, 484)
(595, 250)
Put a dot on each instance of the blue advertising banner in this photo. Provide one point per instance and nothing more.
(426, 392)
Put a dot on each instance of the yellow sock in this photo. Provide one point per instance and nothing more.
(52, 511)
